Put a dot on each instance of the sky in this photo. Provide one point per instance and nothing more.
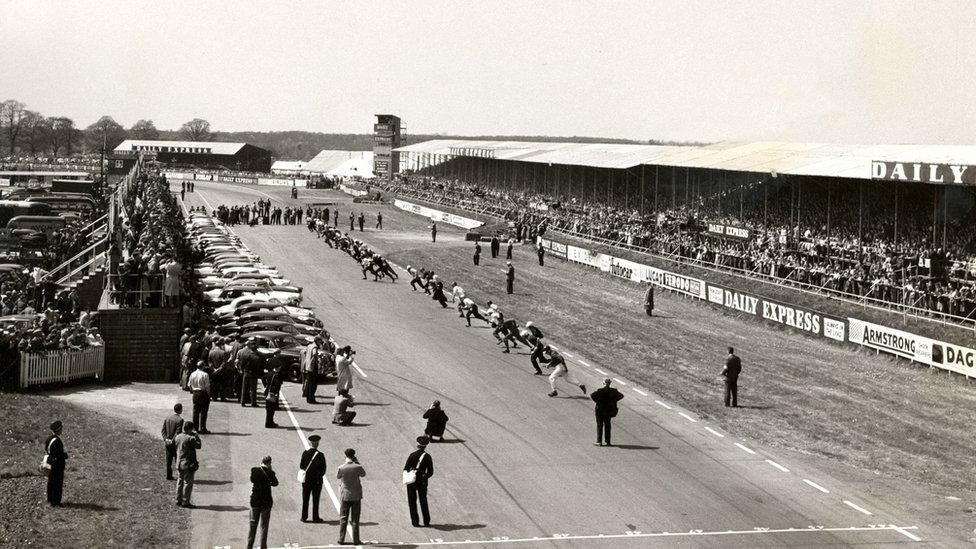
(858, 72)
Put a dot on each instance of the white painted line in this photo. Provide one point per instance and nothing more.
(750, 450)
(817, 486)
(663, 404)
(638, 391)
(777, 465)
(304, 439)
(584, 363)
(640, 535)
(714, 432)
(598, 370)
(904, 531)
(857, 507)
(620, 381)
(360, 370)
(686, 416)
(565, 353)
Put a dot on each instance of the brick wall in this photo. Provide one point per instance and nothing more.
(140, 344)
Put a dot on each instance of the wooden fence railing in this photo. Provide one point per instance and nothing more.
(61, 366)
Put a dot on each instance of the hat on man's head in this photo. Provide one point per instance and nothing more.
(423, 440)
(314, 438)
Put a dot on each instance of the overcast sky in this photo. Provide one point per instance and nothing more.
(845, 72)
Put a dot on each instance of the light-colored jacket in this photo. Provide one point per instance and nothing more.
(344, 372)
(350, 487)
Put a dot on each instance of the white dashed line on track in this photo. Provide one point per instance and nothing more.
(663, 404)
(817, 486)
(777, 465)
(585, 363)
(599, 370)
(620, 381)
(638, 391)
(746, 448)
(857, 507)
(360, 370)
(905, 532)
(714, 432)
(565, 353)
(686, 416)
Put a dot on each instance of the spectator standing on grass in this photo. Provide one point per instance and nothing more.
(350, 496)
(362, 221)
(541, 252)
(200, 385)
(477, 252)
(379, 220)
(649, 299)
(352, 221)
(312, 466)
(606, 399)
(436, 422)
(187, 444)
(510, 278)
(419, 466)
(172, 426)
(495, 246)
(57, 460)
(508, 252)
(433, 231)
(733, 366)
(263, 478)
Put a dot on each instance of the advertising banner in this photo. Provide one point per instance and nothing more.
(798, 318)
(556, 249)
(351, 191)
(588, 257)
(437, 215)
(940, 354)
(922, 172)
(718, 229)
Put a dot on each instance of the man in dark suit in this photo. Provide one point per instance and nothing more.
(172, 426)
(56, 459)
(510, 278)
(313, 463)
(421, 462)
(606, 399)
(436, 421)
(495, 246)
(733, 366)
(649, 299)
(262, 479)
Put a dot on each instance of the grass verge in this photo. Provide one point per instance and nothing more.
(115, 491)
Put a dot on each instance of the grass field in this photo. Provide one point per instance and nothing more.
(115, 492)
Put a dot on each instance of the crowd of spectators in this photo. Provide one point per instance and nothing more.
(787, 239)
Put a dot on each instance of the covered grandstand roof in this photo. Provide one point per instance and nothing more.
(813, 159)
(195, 147)
(342, 163)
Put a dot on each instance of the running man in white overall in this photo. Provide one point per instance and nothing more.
(557, 361)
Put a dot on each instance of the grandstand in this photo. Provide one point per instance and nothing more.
(881, 224)
(211, 155)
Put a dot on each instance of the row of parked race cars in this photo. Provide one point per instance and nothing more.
(250, 298)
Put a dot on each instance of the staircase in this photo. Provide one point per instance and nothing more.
(86, 270)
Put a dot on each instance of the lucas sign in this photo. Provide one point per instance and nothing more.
(921, 172)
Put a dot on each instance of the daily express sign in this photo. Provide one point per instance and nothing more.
(921, 172)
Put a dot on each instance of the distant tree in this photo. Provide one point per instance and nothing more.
(105, 131)
(35, 132)
(64, 135)
(12, 121)
(197, 129)
(145, 130)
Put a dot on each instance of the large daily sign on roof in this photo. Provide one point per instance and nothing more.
(921, 172)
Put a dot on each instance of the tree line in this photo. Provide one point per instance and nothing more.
(23, 131)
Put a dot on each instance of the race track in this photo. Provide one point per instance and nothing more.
(519, 468)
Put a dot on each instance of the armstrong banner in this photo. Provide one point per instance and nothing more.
(437, 215)
(940, 354)
(921, 172)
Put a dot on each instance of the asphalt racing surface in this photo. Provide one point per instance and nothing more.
(517, 468)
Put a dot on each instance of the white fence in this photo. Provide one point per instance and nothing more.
(61, 366)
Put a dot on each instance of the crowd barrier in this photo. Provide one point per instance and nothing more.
(939, 354)
(351, 191)
(437, 215)
(229, 178)
(61, 366)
